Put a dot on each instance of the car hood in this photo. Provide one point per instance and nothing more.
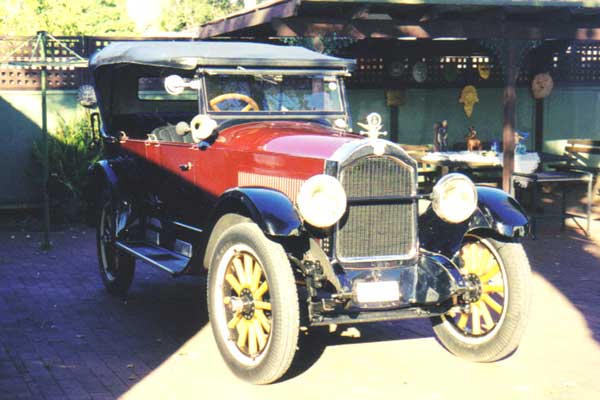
(301, 139)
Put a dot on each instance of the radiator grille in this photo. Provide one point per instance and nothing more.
(377, 230)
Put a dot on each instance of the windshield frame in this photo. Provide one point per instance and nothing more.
(338, 74)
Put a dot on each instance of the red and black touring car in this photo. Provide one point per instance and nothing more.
(237, 160)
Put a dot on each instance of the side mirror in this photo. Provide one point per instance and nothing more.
(175, 85)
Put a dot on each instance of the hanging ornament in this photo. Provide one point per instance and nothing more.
(468, 97)
(484, 71)
(419, 72)
(542, 85)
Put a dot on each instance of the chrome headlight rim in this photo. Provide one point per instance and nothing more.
(314, 191)
(439, 197)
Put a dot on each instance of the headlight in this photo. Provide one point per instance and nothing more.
(322, 201)
(454, 198)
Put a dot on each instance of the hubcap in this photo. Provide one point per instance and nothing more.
(247, 304)
(486, 296)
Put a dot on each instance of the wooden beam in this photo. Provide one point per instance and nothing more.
(262, 14)
(392, 29)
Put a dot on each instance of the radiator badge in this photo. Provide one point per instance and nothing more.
(373, 131)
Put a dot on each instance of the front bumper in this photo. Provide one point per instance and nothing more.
(427, 286)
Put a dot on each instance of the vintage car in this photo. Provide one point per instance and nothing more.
(237, 160)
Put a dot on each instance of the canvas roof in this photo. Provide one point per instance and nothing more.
(190, 55)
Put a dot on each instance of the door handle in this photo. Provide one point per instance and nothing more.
(185, 167)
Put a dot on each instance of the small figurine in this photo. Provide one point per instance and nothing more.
(473, 143)
(520, 148)
(440, 138)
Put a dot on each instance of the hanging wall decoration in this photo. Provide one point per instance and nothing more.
(468, 97)
(484, 71)
(542, 85)
(419, 72)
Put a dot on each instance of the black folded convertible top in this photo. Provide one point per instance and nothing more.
(190, 55)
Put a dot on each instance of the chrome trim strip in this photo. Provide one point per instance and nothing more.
(191, 228)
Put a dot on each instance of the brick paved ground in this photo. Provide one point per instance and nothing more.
(63, 337)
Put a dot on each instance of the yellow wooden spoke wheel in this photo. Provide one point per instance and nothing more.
(246, 298)
(253, 303)
(481, 269)
(488, 320)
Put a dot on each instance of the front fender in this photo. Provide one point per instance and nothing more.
(497, 212)
(270, 209)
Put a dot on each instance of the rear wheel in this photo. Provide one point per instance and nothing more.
(253, 304)
(491, 325)
(116, 267)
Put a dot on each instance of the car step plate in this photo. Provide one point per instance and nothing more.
(377, 292)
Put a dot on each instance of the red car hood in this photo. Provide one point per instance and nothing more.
(302, 139)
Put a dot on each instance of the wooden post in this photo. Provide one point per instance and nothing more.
(539, 126)
(510, 101)
(394, 134)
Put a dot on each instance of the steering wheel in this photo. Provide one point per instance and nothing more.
(251, 105)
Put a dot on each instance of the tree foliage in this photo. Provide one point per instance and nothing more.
(65, 17)
(181, 15)
(104, 17)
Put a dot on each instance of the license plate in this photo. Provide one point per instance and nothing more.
(377, 292)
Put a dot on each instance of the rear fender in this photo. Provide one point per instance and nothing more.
(497, 212)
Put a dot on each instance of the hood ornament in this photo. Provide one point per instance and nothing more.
(373, 131)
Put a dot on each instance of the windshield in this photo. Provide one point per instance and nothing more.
(273, 93)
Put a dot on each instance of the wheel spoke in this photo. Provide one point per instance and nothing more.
(260, 292)
(493, 289)
(242, 329)
(234, 283)
(492, 303)
(234, 321)
(264, 321)
(462, 321)
(488, 321)
(252, 338)
(248, 263)
(256, 277)
(260, 334)
(262, 305)
(239, 270)
(475, 319)
(493, 271)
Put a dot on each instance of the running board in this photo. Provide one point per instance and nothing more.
(162, 258)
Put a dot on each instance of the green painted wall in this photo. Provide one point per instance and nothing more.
(20, 126)
(423, 107)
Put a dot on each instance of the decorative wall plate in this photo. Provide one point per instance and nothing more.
(419, 72)
(396, 69)
(450, 72)
(542, 85)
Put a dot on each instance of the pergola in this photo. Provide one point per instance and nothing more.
(512, 26)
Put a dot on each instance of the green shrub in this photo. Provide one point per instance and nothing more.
(70, 152)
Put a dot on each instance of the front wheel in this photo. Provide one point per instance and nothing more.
(490, 326)
(253, 304)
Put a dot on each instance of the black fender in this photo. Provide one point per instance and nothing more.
(102, 181)
(270, 209)
(497, 212)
